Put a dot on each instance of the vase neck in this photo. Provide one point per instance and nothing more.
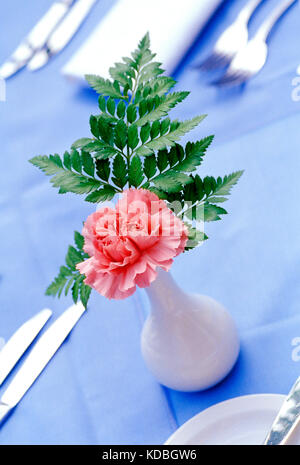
(164, 294)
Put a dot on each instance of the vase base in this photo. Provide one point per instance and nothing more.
(192, 347)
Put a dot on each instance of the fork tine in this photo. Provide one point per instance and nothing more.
(232, 79)
(242, 77)
(207, 62)
(227, 77)
(214, 61)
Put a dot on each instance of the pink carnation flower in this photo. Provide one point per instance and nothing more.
(128, 243)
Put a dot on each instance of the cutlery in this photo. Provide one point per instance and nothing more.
(62, 34)
(232, 39)
(15, 347)
(287, 418)
(38, 358)
(36, 39)
(250, 59)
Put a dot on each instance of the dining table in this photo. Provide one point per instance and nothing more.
(97, 389)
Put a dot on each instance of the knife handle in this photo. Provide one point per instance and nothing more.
(287, 418)
(69, 25)
(4, 411)
(40, 33)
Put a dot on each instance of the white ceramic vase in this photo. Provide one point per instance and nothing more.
(189, 342)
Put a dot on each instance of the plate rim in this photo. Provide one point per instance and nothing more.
(186, 426)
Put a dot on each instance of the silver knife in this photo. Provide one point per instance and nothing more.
(38, 358)
(287, 418)
(62, 34)
(15, 347)
(36, 39)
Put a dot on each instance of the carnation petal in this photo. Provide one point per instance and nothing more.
(127, 244)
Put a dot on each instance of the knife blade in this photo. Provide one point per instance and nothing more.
(36, 39)
(287, 418)
(38, 358)
(15, 347)
(62, 34)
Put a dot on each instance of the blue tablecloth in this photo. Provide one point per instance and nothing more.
(97, 389)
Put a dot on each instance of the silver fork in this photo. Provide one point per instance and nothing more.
(252, 57)
(232, 39)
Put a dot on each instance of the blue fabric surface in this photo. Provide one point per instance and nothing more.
(97, 389)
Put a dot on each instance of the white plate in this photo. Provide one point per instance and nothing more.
(242, 420)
